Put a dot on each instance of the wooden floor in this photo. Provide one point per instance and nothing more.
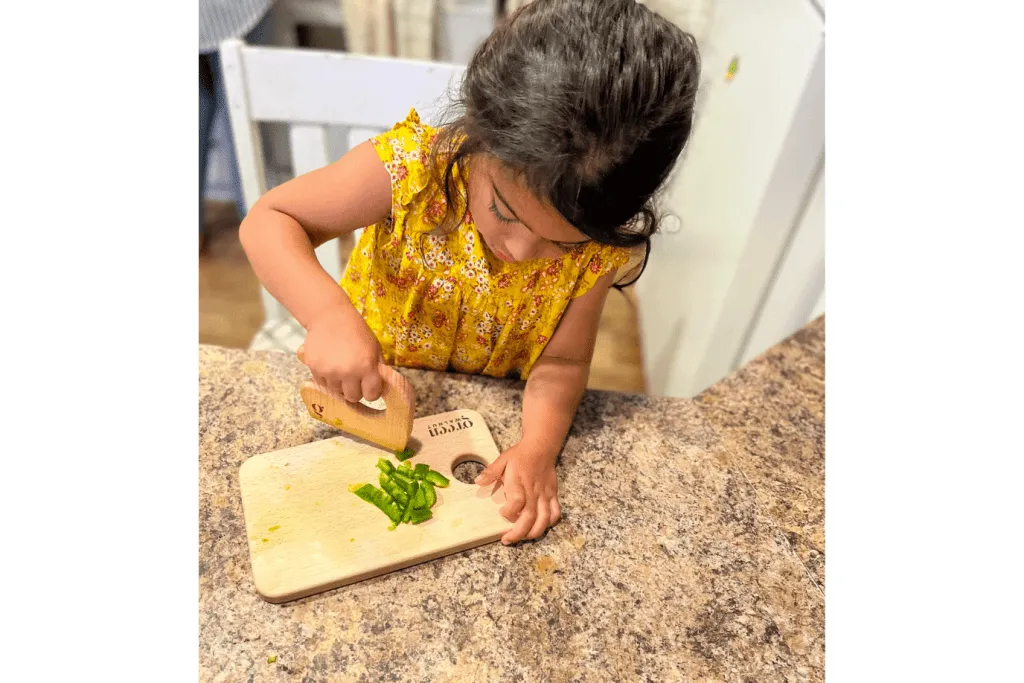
(230, 311)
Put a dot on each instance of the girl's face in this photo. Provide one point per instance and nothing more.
(514, 224)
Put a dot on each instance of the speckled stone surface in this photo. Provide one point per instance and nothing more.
(770, 416)
(676, 560)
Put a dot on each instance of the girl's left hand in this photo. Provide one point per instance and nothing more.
(531, 491)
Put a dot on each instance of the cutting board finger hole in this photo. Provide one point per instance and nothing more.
(466, 468)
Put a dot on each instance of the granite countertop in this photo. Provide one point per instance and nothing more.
(692, 545)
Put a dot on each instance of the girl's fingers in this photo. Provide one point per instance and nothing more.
(336, 387)
(540, 525)
(493, 473)
(515, 501)
(527, 518)
(353, 391)
(556, 511)
(372, 386)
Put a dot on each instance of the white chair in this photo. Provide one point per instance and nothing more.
(311, 90)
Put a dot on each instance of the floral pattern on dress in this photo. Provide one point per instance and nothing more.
(444, 301)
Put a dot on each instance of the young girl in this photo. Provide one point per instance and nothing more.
(493, 241)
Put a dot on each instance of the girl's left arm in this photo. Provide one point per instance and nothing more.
(553, 392)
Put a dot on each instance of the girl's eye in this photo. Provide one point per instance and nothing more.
(564, 247)
(497, 214)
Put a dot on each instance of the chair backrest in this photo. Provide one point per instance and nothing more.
(311, 91)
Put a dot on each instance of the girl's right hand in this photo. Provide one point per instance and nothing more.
(343, 355)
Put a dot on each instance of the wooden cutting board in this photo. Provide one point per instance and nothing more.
(308, 533)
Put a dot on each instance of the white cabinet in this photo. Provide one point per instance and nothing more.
(738, 193)
(797, 292)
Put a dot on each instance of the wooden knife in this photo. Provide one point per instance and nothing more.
(389, 428)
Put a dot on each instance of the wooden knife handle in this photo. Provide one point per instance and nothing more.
(390, 428)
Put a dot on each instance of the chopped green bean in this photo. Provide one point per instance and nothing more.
(385, 503)
(394, 490)
(419, 501)
(437, 479)
(406, 493)
(412, 500)
(429, 494)
(420, 516)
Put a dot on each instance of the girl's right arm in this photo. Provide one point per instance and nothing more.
(279, 235)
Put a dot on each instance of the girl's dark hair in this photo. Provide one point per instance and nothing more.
(590, 102)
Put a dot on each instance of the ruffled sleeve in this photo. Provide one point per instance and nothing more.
(604, 261)
(405, 152)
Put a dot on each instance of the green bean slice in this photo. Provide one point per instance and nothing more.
(394, 490)
(419, 501)
(380, 499)
(429, 493)
(420, 516)
(412, 499)
(437, 479)
(404, 480)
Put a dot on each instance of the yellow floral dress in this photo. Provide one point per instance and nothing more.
(444, 301)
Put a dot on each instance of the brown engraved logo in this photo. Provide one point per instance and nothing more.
(449, 426)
